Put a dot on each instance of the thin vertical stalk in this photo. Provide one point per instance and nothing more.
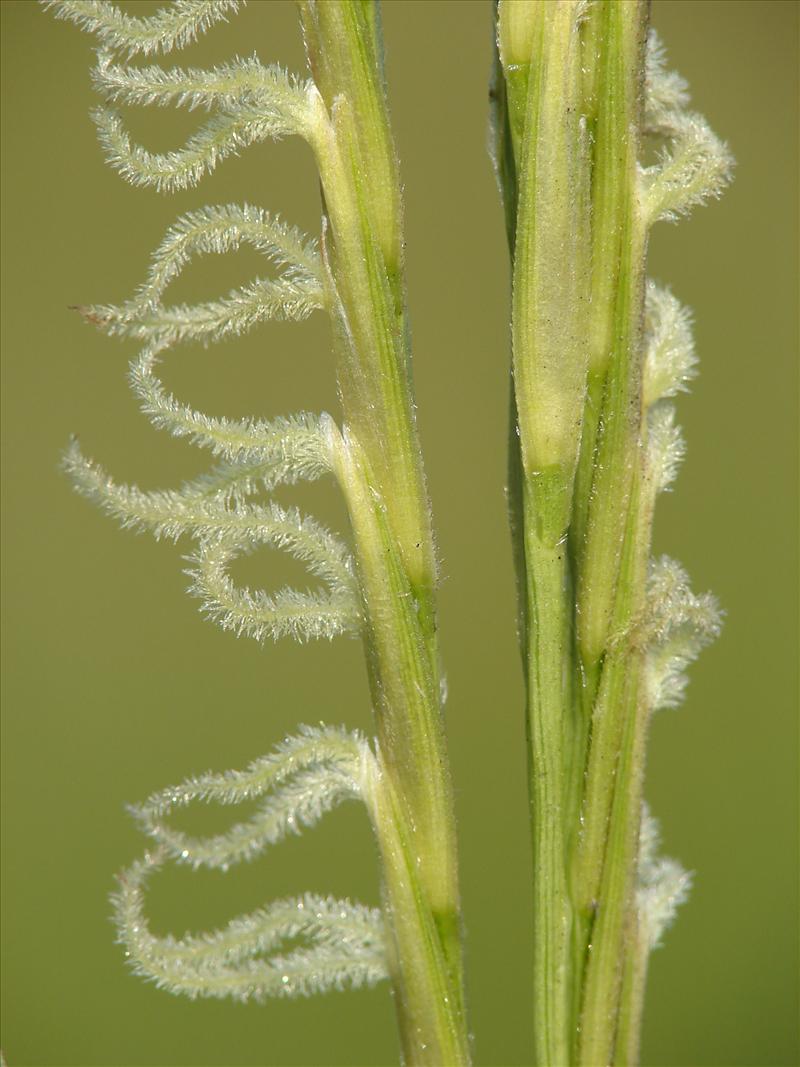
(634, 976)
(572, 100)
(615, 321)
(380, 469)
(606, 859)
(612, 533)
(548, 710)
(540, 55)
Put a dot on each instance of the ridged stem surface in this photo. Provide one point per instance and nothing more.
(380, 469)
(567, 120)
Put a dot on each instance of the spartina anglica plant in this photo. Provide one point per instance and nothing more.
(382, 588)
(598, 355)
(580, 89)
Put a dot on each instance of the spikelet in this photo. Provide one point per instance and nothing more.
(173, 26)
(301, 440)
(293, 294)
(293, 947)
(289, 612)
(665, 447)
(663, 884)
(680, 625)
(225, 134)
(666, 92)
(215, 509)
(694, 165)
(244, 80)
(311, 943)
(670, 360)
(303, 778)
(248, 102)
(218, 230)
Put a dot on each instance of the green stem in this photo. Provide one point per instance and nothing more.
(615, 343)
(614, 706)
(631, 1007)
(572, 99)
(615, 910)
(414, 806)
(548, 704)
(568, 121)
(547, 186)
(611, 533)
(604, 881)
(379, 466)
(607, 859)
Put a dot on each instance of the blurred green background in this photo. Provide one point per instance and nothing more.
(114, 686)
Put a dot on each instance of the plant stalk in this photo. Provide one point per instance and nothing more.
(380, 469)
(567, 120)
